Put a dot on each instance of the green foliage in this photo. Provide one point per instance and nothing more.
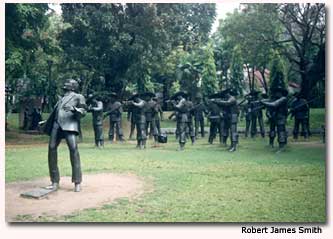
(236, 70)
(277, 73)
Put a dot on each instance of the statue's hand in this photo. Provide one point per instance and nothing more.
(69, 108)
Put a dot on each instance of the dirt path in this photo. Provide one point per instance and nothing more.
(97, 190)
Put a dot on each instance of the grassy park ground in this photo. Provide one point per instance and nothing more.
(204, 183)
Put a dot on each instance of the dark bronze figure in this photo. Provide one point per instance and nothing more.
(256, 115)
(95, 106)
(130, 118)
(199, 109)
(277, 111)
(63, 122)
(139, 115)
(189, 124)
(230, 116)
(151, 111)
(299, 110)
(114, 112)
(180, 105)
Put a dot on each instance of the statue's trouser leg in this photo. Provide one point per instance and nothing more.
(220, 127)
(177, 130)
(202, 127)
(253, 125)
(100, 136)
(154, 130)
(55, 140)
(261, 125)
(272, 132)
(74, 156)
(111, 130)
(234, 134)
(282, 134)
(182, 133)
(304, 128)
(96, 134)
(143, 136)
(191, 131)
(296, 128)
(196, 125)
(247, 126)
(212, 132)
(226, 128)
(132, 129)
(158, 126)
(119, 130)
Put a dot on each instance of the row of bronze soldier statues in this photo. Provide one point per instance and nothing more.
(222, 110)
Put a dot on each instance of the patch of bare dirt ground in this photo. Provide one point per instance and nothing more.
(97, 190)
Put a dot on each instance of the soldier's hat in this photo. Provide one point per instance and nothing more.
(179, 93)
(264, 96)
(283, 90)
(135, 95)
(112, 94)
(149, 94)
(254, 92)
(198, 95)
(71, 84)
(219, 94)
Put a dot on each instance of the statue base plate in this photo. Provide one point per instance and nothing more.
(38, 193)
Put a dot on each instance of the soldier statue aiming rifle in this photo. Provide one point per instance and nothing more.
(114, 112)
(179, 103)
(299, 110)
(199, 109)
(139, 115)
(151, 111)
(277, 111)
(230, 106)
(95, 106)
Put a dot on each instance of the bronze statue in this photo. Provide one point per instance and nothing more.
(277, 111)
(95, 106)
(179, 103)
(299, 110)
(139, 119)
(229, 104)
(114, 112)
(63, 122)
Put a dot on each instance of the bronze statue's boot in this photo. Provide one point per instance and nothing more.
(193, 140)
(232, 148)
(271, 142)
(224, 141)
(53, 186)
(138, 144)
(281, 148)
(77, 187)
(181, 147)
(210, 140)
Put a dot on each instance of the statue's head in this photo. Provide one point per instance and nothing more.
(71, 85)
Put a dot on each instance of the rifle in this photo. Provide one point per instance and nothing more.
(299, 106)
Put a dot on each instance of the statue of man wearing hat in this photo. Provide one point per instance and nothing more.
(299, 110)
(231, 111)
(277, 109)
(199, 109)
(114, 112)
(180, 105)
(63, 123)
(95, 106)
(256, 114)
(139, 114)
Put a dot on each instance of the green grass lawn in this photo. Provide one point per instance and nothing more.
(204, 183)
